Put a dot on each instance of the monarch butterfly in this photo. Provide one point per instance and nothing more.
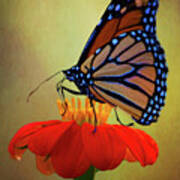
(123, 63)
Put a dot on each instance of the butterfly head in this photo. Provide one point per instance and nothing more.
(82, 80)
(72, 74)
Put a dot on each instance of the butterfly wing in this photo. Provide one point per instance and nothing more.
(120, 16)
(130, 72)
(126, 60)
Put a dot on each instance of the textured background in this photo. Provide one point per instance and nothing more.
(38, 38)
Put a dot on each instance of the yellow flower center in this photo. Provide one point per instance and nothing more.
(85, 113)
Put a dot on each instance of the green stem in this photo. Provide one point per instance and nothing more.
(89, 174)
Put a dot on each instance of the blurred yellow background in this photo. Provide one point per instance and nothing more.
(40, 37)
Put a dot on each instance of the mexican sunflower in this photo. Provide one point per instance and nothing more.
(70, 146)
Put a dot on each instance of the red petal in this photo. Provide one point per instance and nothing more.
(129, 156)
(140, 145)
(133, 143)
(44, 165)
(42, 143)
(104, 148)
(19, 142)
(68, 158)
(150, 147)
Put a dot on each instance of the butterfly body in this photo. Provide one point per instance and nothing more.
(82, 81)
(123, 63)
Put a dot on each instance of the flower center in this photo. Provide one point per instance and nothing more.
(75, 111)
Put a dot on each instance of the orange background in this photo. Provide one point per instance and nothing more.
(38, 38)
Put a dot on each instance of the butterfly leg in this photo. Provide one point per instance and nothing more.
(95, 117)
(118, 119)
(60, 89)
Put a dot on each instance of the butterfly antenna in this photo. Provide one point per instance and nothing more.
(40, 84)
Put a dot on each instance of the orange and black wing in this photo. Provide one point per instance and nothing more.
(126, 60)
(130, 72)
(120, 16)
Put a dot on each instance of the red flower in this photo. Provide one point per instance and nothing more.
(69, 147)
